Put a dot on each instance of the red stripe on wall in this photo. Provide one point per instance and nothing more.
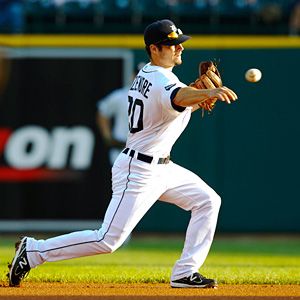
(4, 135)
(24, 175)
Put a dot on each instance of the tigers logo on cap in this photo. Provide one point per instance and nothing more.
(164, 32)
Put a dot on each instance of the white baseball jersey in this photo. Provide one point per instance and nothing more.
(154, 123)
(114, 105)
(140, 177)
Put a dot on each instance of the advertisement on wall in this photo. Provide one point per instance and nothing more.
(53, 162)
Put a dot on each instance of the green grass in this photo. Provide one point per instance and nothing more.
(244, 260)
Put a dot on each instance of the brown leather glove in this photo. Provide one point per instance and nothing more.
(209, 78)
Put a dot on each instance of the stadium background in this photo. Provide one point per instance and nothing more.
(248, 151)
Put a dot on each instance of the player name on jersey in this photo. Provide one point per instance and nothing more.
(142, 85)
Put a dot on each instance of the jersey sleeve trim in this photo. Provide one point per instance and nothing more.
(175, 106)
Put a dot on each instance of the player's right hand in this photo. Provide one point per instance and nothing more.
(223, 94)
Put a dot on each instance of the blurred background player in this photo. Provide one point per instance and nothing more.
(112, 119)
(294, 20)
(4, 71)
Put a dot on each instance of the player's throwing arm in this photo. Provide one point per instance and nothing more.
(189, 96)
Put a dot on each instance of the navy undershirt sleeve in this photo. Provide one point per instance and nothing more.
(175, 106)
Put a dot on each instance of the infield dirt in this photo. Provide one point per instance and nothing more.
(75, 291)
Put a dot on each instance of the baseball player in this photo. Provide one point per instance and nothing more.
(112, 110)
(159, 108)
(114, 106)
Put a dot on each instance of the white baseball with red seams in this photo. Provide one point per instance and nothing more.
(139, 180)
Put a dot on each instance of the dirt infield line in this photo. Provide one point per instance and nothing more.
(74, 291)
(150, 297)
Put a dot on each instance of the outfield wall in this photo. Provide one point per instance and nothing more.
(248, 151)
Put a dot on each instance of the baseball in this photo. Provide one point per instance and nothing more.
(253, 75)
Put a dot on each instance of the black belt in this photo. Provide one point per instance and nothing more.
(146, 158)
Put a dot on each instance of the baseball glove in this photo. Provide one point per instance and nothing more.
(209, 78)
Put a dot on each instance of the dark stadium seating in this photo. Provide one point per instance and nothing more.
(201, 16)
(149, 10)
(75, 11)
(39, 14)
(190, 11)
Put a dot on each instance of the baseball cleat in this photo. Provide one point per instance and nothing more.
(196, 280)
(19, 267)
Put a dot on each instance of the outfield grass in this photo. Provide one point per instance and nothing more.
(243, 260)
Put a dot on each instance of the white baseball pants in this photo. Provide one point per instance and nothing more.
(136, 187)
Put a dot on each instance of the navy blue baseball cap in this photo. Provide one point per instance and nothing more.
(164, 32)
